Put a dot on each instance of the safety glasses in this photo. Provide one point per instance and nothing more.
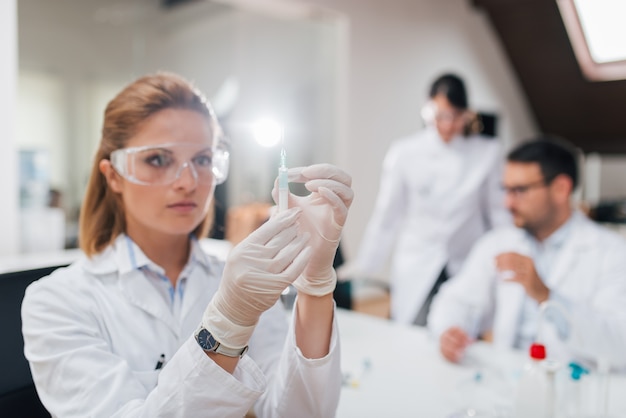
(431, 115)
(163, 164)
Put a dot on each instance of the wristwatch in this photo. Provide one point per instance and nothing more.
(208, 343)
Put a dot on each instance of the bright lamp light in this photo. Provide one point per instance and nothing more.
(267, 132)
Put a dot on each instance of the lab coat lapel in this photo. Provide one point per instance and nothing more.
(141, 293)
(203, 280)
(196, 291)
(571, 251)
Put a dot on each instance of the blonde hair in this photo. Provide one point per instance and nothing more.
(102, 216)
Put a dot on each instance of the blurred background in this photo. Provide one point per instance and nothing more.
(343, 78)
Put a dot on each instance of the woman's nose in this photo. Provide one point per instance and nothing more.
(186, 178)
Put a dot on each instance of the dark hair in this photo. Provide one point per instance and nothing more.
(555, 156)
(452, 87)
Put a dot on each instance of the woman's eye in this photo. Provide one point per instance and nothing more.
(203, 160)
(158, 160)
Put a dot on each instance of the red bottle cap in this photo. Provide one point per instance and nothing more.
(537, 351)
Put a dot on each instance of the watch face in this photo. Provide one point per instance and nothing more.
(206, 340)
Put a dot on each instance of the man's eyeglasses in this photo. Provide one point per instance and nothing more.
(522, 189)
(163, 164)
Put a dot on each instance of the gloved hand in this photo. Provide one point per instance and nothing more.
(324, 213)
(257, 270)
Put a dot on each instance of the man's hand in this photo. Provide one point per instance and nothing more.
(518, 268)
(453, 343)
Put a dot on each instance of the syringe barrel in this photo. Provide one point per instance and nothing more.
(283, 189)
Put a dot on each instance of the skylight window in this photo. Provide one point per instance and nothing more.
(597, 32)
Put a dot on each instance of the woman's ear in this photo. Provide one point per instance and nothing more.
(113, 179)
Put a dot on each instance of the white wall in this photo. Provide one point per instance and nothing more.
(395, 49)
(284, 68)
(9, 221)
(353, 79)
(281, 68)
(612, 173)
(41, 121)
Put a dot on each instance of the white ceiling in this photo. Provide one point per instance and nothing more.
(105, 33)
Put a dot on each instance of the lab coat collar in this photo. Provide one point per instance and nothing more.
(133, 258)
(142, 293)
(582, 235)
(123, 256)
(198, 255)
(556, 239)
(457, 143)
(101, 263)
(560, 236)
(127, 259)
(578, 239)
(130, 257)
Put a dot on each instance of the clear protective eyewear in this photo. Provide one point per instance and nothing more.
(163, 164)
(431, 114)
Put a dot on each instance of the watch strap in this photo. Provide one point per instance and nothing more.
(230, 352)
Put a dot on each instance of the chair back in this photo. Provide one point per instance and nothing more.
(18, 397)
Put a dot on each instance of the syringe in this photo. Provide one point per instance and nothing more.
(283, 182)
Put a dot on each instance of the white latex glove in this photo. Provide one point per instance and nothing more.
(324, 213)
(257, 270)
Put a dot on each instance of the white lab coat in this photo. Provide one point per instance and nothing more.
(587, 278)
(435, 200)
(94, 332)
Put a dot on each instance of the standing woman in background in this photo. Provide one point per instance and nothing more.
(147, 324)
(439, 191)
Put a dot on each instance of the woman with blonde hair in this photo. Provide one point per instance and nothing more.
(146, 323)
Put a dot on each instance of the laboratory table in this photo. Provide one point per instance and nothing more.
(393, 370)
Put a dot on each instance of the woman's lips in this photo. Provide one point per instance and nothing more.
(183, 206)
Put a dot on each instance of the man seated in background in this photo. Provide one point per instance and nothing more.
(554, 254)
